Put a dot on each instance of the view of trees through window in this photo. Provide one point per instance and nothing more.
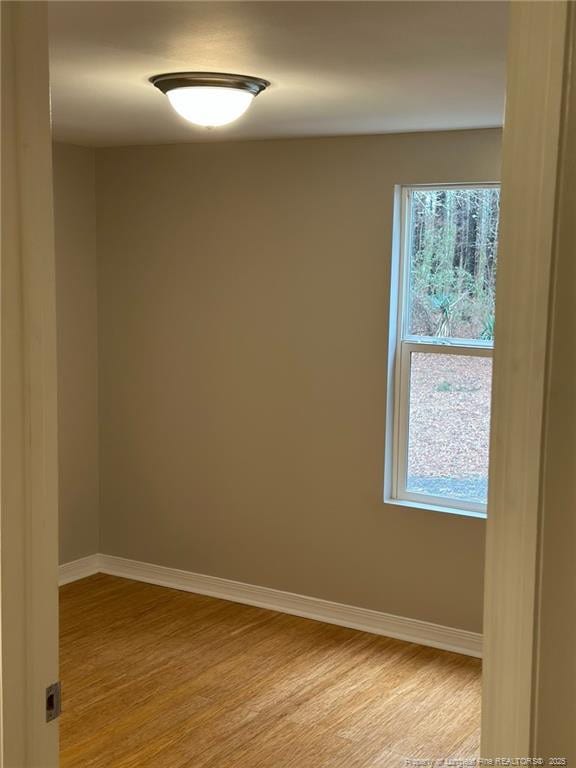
(454, 239)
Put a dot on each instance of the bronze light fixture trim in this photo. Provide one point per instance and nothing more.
(209, 98)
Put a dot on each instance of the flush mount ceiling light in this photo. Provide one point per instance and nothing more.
(209, 99)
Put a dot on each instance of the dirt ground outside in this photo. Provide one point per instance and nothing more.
(449, 425)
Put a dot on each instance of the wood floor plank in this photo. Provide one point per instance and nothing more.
(157, 678)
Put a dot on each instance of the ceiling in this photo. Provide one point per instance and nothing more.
(336, 67)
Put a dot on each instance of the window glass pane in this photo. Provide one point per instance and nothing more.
(449, 425)
(453, 238)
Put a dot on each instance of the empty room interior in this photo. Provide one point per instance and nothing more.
(276, 229)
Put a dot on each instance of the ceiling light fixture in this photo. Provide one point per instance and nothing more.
(209, 99)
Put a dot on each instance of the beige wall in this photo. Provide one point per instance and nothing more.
(243, 327)
(76, 292)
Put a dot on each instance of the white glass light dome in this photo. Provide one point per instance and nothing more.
(209, 99)
(210, 106)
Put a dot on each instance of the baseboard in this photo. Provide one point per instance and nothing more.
(375, 622)
(78, 569)
(411, 630)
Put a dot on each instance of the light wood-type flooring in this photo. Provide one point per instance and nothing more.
(156, 678)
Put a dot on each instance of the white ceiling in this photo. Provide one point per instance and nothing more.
(335, 67)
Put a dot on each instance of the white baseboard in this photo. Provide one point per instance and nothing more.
(79, 569)
(375, 622)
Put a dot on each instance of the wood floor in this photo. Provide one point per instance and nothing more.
(156, 678)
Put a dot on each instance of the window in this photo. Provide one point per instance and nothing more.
(442, 330)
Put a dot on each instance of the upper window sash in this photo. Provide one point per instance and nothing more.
(404, 289)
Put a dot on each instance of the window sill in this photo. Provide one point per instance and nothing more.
(435, 508)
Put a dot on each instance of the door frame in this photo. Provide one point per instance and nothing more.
(28, 414)
(540, 56)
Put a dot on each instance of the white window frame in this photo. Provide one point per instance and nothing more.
(402, 345)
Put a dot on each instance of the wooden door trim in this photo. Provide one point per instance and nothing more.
(536, 72)
(28, 439)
